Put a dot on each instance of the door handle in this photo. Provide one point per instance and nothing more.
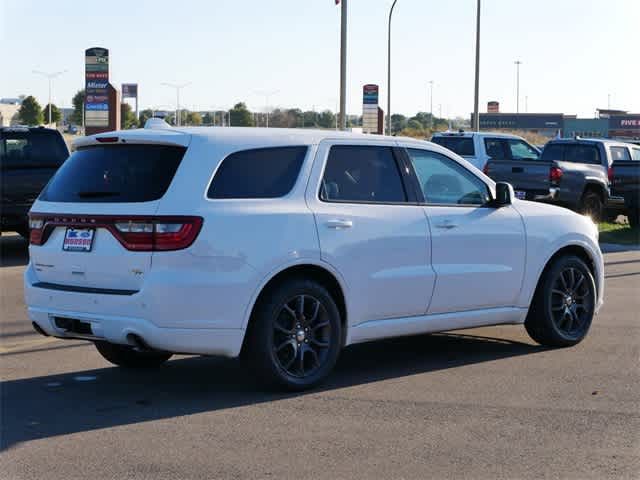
(339, 224)
(517, 169)
(446, 225)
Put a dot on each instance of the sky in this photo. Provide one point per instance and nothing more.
(575, 54)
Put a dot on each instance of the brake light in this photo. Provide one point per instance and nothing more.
(140, 234)
(610, 175)
(107, 139)
(555, 174)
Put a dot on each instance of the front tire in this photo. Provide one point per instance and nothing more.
(128, 357)
(295, 335)
(563, 305)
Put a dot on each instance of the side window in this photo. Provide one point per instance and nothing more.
(258, 173)
(446, 182)
(635, 153)
(522, 151)
(620, 153)
(356, 173)
(495, 148)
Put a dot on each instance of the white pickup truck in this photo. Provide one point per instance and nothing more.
(479, 147)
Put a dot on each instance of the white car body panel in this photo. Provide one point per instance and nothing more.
(399, 274)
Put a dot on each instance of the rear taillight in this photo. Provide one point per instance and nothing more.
(485, 169)
(610, 175)
(555, 174)
(140, 234)
(36, 226)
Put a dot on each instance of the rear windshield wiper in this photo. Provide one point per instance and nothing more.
(97, 194)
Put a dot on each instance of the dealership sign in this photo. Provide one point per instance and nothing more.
(370, 108)
(96, 87)
(129, 90)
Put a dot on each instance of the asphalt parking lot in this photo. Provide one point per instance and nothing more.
(483, 403)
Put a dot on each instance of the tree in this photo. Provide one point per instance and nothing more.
(414, 124)
(327, 119)
(194, 118)
(207, 119)
(78, 107)
(30, 112)
(310, 119)
(241, 116)
(127, 116)
(55, 114)
(144, 116)
(398, 123)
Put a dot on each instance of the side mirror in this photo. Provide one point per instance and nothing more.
(504, 194)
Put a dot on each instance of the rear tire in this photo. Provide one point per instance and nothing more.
(563, 304)
(128, 357)
(634, 218)
(295, 335)
(592, 205)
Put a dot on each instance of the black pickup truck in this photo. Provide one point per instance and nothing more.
(626, 182)
(574, 173)
(29, 156)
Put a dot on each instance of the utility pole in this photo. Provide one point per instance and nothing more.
(389, 70)
(50, 77)
(178, 87)
(518, 63)
(431, 105)
(267, 95)
(343, 65)
(476, 113)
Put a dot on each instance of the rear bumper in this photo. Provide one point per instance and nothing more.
(114, 318)
(549, 196)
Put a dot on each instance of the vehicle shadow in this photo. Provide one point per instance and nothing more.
(14, 250)
(48, 406)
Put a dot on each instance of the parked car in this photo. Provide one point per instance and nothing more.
(479, 147)
(574, 173)
(29, 156)
(284, 246)
(626, 181)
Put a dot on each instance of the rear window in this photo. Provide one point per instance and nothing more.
(459, 145)
(258, 173)
(32, 149)
(115, 174)
(572, 152)
(620, 153)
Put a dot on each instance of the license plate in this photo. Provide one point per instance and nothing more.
(521, 195)
(78, 239)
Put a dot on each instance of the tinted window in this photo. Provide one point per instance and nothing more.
(496, 148)
(620, 153)
(522, 151)
(581, 153)
(553, 151)
(459, 145)
(259, 173)
(362, 174)
(635, 153)
(115, 173)
(32, 149)
(445, 181)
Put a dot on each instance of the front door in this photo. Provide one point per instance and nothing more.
(369, 232)
(478, 252)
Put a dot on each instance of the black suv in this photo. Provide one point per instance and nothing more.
(29, 156)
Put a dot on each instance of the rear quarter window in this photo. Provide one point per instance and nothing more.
(572, 152)
(115, 174)
(258, 173)
(460, 145)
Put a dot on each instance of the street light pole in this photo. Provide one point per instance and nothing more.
(389, 70)
(476, 113)
(50, 77)
(343, 65)
(178, 87)
(518, 63)
(431, 105)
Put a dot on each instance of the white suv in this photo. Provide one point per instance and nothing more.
(287, 245)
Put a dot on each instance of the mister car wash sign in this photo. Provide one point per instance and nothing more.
(370, 108)
(96, 85)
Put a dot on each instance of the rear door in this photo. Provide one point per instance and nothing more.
(369, 231)
(102, 196)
